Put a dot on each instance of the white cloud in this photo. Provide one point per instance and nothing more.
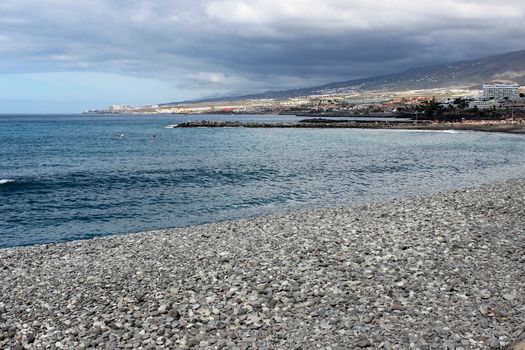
(330, 15)
(210, 77)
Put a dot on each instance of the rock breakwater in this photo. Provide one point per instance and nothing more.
(438, 272)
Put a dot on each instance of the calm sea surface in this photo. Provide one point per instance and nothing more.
(73, 177)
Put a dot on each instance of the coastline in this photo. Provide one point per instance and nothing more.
(440, 271)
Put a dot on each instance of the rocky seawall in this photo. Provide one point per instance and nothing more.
(440, 272)
(320, 123)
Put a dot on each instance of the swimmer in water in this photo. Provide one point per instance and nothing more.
(121, 136)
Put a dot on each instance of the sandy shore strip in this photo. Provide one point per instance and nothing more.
(445, 271)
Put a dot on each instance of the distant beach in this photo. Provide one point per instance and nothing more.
(442, 271)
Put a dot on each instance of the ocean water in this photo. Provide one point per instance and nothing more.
(73, 177)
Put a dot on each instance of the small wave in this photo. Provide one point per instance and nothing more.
(6, 181)
(449, 131)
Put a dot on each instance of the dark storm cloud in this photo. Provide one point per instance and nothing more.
(251, 44)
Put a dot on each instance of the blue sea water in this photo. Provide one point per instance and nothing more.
(71, 177)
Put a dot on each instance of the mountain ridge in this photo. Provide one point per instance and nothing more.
(468, 74)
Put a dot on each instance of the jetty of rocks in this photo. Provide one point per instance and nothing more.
(323, 123)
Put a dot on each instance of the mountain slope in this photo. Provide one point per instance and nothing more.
(465, 74)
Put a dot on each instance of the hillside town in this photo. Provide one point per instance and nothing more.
(495, 100)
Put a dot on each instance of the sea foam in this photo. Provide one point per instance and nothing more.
(5, 181)
(445, 131)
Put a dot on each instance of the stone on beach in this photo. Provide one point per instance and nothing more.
(444, 271)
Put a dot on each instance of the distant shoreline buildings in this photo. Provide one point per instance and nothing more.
(494, 97)
(118, 108)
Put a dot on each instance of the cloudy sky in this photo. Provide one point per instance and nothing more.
(70, 55)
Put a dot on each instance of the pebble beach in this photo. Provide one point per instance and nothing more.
(445, 271)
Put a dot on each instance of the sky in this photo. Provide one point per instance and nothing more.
(61, 56)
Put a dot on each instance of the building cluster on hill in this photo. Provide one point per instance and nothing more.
(494, 99)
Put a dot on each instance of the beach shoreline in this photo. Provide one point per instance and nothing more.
(439, 271)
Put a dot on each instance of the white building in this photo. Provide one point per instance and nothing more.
(501, 91)
(484, 104)
(118, 108)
